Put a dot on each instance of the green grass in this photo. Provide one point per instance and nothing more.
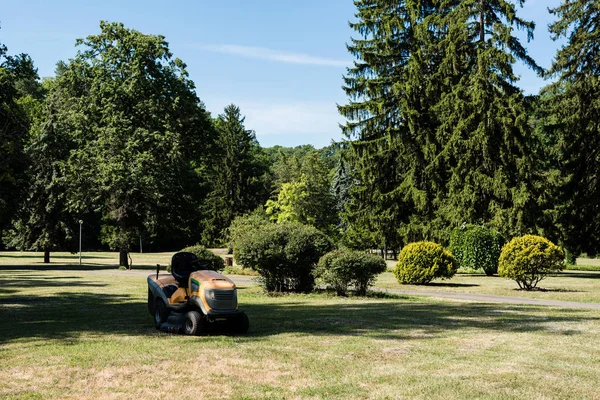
(87, 334)
(567, 286)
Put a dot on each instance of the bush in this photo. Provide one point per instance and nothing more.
(343, 268)
(570, 257)
(528, 259)
(284, 254)
(245, 225)
(421, 262)
(205, 256)
(477, 247)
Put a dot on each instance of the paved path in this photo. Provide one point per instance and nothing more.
(488, 298)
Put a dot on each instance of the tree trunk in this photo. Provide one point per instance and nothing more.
(46, 256)
(482, 22)
(123, 259)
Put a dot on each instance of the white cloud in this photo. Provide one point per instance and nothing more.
(264, 53)
(288, 124)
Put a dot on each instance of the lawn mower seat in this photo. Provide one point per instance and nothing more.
(182, 265)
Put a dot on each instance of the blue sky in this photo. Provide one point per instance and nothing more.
(281, 61)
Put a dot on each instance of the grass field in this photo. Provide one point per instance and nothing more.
(87, 334)
(568, 286)
(88, 259)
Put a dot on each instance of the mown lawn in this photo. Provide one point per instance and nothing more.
(577, 286)
(88, 259)
(87, 334)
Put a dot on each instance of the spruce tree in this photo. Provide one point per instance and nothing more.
(484, 133)
(573, 125)
(43, 222)
(239, 183)
(390, 123)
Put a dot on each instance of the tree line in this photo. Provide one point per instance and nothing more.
(119, 140)
(438, 135)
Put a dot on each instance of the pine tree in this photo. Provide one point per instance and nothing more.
(484, 131)
(15, 122)
(573, 125)
(239, 182)
(390, 122)
(43, 221)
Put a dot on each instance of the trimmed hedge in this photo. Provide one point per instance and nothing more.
(343, 268)
(421, 262)
(205, 256)
(528, 259)
(477, 247)
(285, 255)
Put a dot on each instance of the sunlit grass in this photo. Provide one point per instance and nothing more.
(87, 334)
(567, 286)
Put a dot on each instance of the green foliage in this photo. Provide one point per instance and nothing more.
(528, 259)
(569, 123)
(284, 254)
(570, 258)
(439, 131)
(239, 175)
(141, 135)
(245, 225)
(206, 257)
(421, 262)
(476, 247)
(291, 203)
(307, 199)
(43, 222)
(14, 130)
(343, 268)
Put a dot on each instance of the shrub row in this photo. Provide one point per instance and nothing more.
(289, 256)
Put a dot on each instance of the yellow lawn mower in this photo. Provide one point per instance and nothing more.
(194, 299)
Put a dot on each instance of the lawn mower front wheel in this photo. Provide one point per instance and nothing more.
(193, 323)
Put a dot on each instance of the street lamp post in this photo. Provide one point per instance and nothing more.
(80, 222)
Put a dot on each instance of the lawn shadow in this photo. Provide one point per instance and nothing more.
(77, 267)
(573, 274)
(65, 316)
(450, 284)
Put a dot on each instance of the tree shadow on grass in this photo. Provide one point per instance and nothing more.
(65, 316)
(581, 275)
(449, 285)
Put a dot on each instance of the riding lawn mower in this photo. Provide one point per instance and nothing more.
(194, 299)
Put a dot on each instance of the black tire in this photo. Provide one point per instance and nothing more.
(150, 302)
(241, 324)
(193, 323)
(161, 313)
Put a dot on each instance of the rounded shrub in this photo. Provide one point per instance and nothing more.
(207, 257)
(285, 255)
(477, 247)
(341, 269)
(421, 262)
(528, 259)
